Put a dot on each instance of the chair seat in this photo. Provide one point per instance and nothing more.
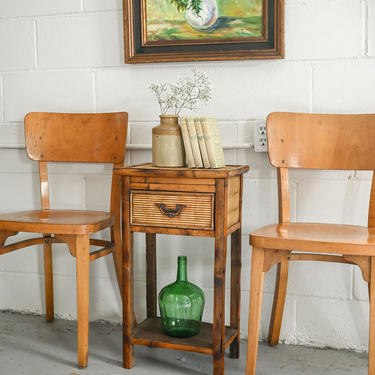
(56, 221)
(316, 237)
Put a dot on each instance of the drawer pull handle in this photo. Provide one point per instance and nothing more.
(169, 212)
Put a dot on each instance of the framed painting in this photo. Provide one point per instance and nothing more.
(193, 30)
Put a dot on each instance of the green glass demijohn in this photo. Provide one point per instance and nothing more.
(181, 305)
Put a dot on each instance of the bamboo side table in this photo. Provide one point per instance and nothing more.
(189, 202)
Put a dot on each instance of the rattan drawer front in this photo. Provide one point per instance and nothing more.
(172, 210)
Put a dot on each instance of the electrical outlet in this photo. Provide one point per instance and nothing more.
(260, 138)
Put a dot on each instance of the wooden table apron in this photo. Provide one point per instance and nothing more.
(213, 339)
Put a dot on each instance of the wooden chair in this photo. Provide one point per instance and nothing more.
(312, 141)
(57, 137)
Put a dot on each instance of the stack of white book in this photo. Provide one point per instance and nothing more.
(202, 142)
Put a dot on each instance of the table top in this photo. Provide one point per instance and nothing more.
(147, 169)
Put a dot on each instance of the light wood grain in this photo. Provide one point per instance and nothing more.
(83, 284)
(314, 141)
(314, 237)
(233, 209)
(147, 170)
(207, 210)
(278, 303)
(371, 210)
(256, 291)
(197, 209)
(176, 231)
(93, 138)
(44, 187)
(174, 187)
(57, 221)
(5, 234)
(48, 278)
(174, 181)
(127, 278)
(63, 137)
(116, 192)
(219, 275)
(371, 345)
(149, 333)
(300, 140)
(284, 195)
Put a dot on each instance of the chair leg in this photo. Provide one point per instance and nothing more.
(117, 252)
(256, 290)
(48, 279)
(83, 280)
(278, 302)
(371, 346)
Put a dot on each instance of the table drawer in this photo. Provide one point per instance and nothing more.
(172, 209)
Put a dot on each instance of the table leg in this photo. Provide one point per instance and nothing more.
(151, 281)
(127, 278)
(219, 279)
(235, 294)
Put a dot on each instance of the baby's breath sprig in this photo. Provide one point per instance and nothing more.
(186, 93)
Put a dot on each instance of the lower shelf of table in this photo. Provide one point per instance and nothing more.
(150, 333)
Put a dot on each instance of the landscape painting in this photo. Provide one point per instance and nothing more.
(176, 21)
(203, 30)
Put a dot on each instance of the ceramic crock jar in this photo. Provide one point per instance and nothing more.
(206, 17)
(167, 145)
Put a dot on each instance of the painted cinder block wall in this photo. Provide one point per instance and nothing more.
(68, 56)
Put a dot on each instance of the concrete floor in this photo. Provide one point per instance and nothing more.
(30, 346)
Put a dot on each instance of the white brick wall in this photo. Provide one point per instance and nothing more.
(311, 33)
(346, 86)
(80, 41)
(94, 5)
(47, 91)
(371, 28)
(18, 51)
(16, 8)
(67, 56)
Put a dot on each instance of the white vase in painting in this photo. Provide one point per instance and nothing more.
(206, 17)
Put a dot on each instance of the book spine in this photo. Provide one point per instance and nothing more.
(202, 143)
(187, 145)
(194, 142)
(209, 142)
(215, 135)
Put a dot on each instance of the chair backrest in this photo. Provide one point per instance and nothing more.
(86, 138)
(66, 137)
(320, 141)
(301, 140)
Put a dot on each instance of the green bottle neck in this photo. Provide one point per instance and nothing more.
(182, 269)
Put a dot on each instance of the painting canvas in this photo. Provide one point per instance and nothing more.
(193, 30)
(176, 21)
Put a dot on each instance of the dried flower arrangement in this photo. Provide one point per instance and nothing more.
(186, 93)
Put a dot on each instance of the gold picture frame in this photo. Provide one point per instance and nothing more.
(228, 38)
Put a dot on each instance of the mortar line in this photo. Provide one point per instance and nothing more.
(352, 283)
(295, 321)
(94, 90)
(73, 13)
(2, 97)
(157, 66)
(295, 200)
(237, 141)
(311, 87)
